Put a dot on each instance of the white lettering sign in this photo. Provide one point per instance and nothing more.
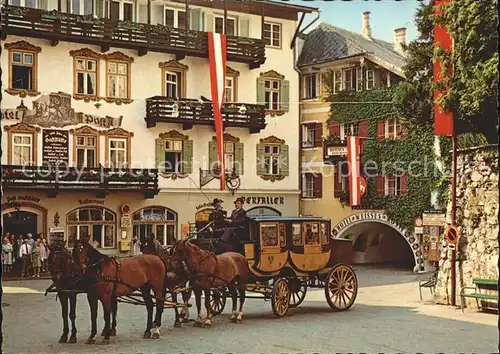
(367, 216)
(434, 219)
(336, 151)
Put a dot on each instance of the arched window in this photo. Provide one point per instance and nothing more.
(95, 223)
(157, 220)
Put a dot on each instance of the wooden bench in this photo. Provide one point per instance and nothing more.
(429, 283)
(480, 285)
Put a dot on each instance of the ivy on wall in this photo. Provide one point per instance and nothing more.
(413, 155)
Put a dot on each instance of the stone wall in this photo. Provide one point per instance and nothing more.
(477, 219)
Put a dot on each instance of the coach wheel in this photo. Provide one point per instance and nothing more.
(298, 291)
(341, 287)
(217, 301)
(280, 300)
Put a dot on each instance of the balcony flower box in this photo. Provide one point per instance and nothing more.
(51, 15)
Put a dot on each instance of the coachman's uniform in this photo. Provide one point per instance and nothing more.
(236, 226)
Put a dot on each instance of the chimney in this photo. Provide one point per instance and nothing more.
(367, 31)
(399, 38)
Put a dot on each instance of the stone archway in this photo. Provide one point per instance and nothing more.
(8, 209)
(345, 228)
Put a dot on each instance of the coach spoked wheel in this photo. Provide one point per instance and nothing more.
(298, 291)
(280, 300)
(217, 301)
(341, 287)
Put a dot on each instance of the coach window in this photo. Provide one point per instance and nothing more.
(160, 221)
(269, 235)
(323, 233)
(311, 233)
(297, 235)
(95, 223)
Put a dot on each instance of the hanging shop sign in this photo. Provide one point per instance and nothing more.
(336, 151)
(55, 147)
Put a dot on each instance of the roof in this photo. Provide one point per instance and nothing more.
(329, 43)
(299, 8)
(287, 218)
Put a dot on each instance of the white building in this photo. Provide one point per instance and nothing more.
(124, 85)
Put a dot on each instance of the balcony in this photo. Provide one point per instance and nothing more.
(99, 180)
(189, 112)
(106, 33)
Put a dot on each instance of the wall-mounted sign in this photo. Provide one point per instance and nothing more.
(152, 217)
(336, 151)
(54, 110)
(418, 222)
(23, 198)
(419, 229)
(434, 219)
(125, 222)
(91, 201)
(204, 206)
(55, 147)
(265, 200)
(367, 216)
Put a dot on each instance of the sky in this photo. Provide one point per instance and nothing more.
(385, 15)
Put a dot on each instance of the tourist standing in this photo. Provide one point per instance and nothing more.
(45, 252)
(7, 253)
(136, 247)
(25, 254)
(30, 239)
(17, 249)
(36, 259)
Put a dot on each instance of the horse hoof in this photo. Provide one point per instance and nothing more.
(155, 336)
(72, 339)
(103, 333)
(177, 325)
(233, 320)
(197, 324)
(105, 342)
(147, 335)
(90, 341)
(112, 333)
(207, 324)
(63, 339)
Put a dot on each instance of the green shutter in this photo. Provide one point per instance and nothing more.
(284, 161)
(261, 167)
(239, 158)
(187, 156)
(285, 96)
(160, 155)
(261, 96)
(209, 23)
(244, 27)
(212, 154)
(195, 19)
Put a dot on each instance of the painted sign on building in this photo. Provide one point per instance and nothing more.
(55, 147)
(367, 216)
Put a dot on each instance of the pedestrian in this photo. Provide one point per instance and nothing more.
(7, 253)
(45, 252)
(36, 259)
(24, 255)
(136, 247)
(17, 249)
(30, 239)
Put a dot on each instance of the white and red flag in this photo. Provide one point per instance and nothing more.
(217, 60)
(357, 183)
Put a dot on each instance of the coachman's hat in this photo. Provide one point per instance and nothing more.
(240, 199)
(217, 201)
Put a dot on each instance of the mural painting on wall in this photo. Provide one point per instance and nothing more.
(55, 147)
(54, 110)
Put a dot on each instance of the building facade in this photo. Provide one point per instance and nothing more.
(108, 126)
(335, 62)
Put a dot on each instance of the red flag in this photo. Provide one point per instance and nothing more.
(356, 181)
(217, 60)
(443, 120)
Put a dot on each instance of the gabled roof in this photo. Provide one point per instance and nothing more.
(329, 43)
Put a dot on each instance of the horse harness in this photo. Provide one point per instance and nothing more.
(116, 280)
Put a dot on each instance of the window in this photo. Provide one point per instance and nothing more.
(86, 151)
(230, 25)
(86, 76)
(172, 85)
(23, 70)
(118, 153)
(349, 79)
(324, 234)
(272, 34)
(22, 149)
(311, 86)
(81, 7)
(393, 128)
(348, 129)
(121, 10)
(118, 79)
(269, 235)
(309, 187)
(308, 135)
(160, 221)
(392, 185)
(272, 94)
(370, 79)
(272, 159)
(34, 4)
(359, 79)
(297, 235)
(229, 90)
(311, 233)
(175, 18)
(337, 81)
(173, 156)
(229, 156)
(95, 223)
(173, 79)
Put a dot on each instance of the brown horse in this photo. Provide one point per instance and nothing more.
(118, 278)
(65, 276)
(206, 271)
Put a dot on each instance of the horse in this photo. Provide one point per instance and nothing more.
(118, 278)
(153, 246)
(206, 271)
(65, 276)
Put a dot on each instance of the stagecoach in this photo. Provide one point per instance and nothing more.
(287, 256)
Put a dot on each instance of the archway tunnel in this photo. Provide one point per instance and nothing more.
(379, 244)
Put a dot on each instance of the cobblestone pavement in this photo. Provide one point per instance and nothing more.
(387, 317)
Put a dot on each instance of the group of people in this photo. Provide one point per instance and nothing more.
(24, 256)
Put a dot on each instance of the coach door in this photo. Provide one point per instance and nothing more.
(273, 253)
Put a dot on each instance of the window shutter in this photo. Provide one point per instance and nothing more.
(381, 130)
(261, 97)
(99, 9)
(380, 185)
(284, 161)
(337, 185)
(318, 84)
(209, 23)
(239, 158)
(318, 185)
(195, 19)
(318, 134)
(244, 27)
(261, 167)
(143, 13)
(334, 128)
(402, 185)
(187, 156)
(160, 155)
(285, 96)
(213, 157)
(363, 128)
